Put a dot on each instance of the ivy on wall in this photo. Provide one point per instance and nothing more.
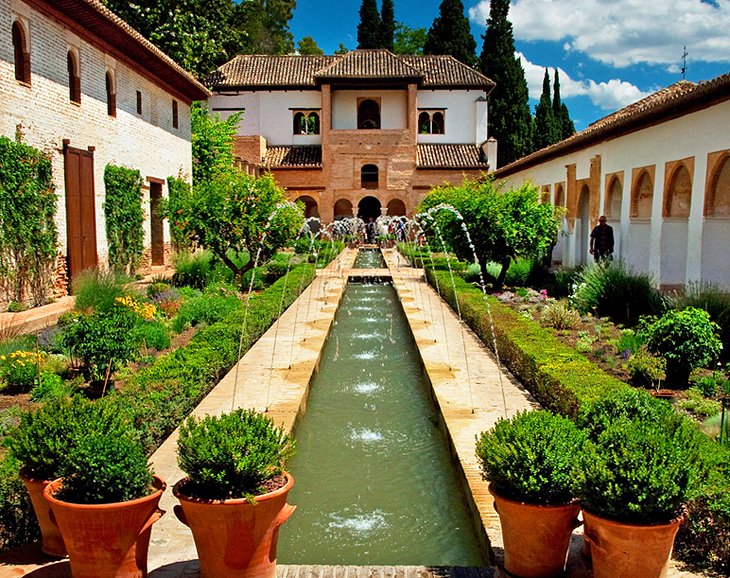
(178, 189)
(124, 217)
(28, 232)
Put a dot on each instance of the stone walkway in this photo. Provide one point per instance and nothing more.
(469, 388)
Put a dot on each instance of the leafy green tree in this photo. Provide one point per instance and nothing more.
(307, 45)
(234, 213)
(560, 111)
(510, 121)
(450, 34)
(266, 26)
(547, 130)
(409, 40)
(503, 225)
(369, 27)
(387, 25)
(342, 49)
(212, 142)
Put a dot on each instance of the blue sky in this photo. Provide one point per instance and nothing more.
(610, 53)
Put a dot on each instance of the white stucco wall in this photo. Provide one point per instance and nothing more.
(45, 115)
(690, 250)
(393, 108)
(462, 125)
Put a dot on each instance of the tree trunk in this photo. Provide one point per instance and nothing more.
(502, 274)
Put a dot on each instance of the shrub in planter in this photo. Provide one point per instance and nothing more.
(235, 481)
(687, 339)
(529, 460)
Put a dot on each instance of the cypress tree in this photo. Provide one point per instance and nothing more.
(510, 121)
(369, 28)
(450, 34)
(547, 131)
(563, 122)
(387, 25)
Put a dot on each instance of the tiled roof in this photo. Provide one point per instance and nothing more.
(93, 16)
(680, 98)
(295, 71)
(450, 156)
(293, 156)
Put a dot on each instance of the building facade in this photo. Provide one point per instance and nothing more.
(659, 170)
(80, 84)
(363, 133)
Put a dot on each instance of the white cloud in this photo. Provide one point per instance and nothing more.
(610, 95)
(624, 32)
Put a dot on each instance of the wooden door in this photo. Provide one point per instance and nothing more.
(80, 209)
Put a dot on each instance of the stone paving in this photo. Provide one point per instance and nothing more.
(470, 389)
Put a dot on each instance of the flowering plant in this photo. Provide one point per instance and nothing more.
(19, 369)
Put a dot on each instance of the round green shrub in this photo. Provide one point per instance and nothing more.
(530, 457)
(687, 339)
(231, 456)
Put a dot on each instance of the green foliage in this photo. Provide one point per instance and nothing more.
(387, 24)
(563, 122)
(696, 403)
(28, 233)
(212, 142)
(529, 458)
(207, 308)
(19, 370)
(231, 456)
(18, 524)
(369, 26)
(409, 40)
(193, 269)
(178, 191)
(560, 315)
(629, 341)
(615, 290)
(104, 340)
(51, 386)
(450, 33)
(547, 127)
(503, 225)
(510, 121)
(686, 339)
(16, 307)
(645, 369)
(152, 335)
(233, 213)
(307, 45)
(124, 217)
(97, 290)
(640, 471)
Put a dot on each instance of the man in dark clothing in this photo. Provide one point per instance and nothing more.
(602, 241)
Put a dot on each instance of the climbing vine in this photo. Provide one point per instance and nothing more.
(179, 190)
(124, 217)
(28, 232)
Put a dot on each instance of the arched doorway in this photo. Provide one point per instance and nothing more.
(343, 209)
(582, 226)
(396, 208)
(310, 206)
(368, 208)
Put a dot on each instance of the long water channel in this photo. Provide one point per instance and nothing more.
(375, 484)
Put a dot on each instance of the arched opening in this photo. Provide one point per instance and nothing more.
(559, 196)
(613, 199)
(74, 80)
(369, 177)
(583, 225)
(424, 123)
(718, 196)
(310, 206)
(343, 209)
(299, 125)
(111, 95)
(368, 209)
(642, 196)
(679, 194)
(368, 114)
(21, 53)
(313, 123)
(437, 123)
(396, 208)
(715, 231)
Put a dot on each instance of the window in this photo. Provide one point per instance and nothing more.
(306, 122)
(22, 53)
(678, 196)
(368, 114)
(369, 177)
(642, 194)
(139, 102)
(431, 121)
(111, 95)
(174, 114)
(74, 80)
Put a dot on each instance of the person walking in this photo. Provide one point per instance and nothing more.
(602, 241)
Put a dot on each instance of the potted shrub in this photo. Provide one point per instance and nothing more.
(105, 501)
(529, 459)
(640, 466)
(234, 497)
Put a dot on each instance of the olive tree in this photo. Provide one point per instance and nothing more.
(502, 224)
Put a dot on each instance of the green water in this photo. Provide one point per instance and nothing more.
(374, 483)
(369, 259)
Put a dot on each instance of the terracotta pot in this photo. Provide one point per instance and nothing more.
(620, 550)
(107, 540)
(536, 538)
(235, 538)
(52, 542)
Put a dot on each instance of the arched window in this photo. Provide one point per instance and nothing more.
(369, 177)
(437, 123)
(306, 122)
(368, 114)
(111, 95)
(718, 196)
(613, 199)
(679, 194)
(431, 122)
(424, 123)
(74, 80)
(299, 123)
(22, 53)
(642, 195)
